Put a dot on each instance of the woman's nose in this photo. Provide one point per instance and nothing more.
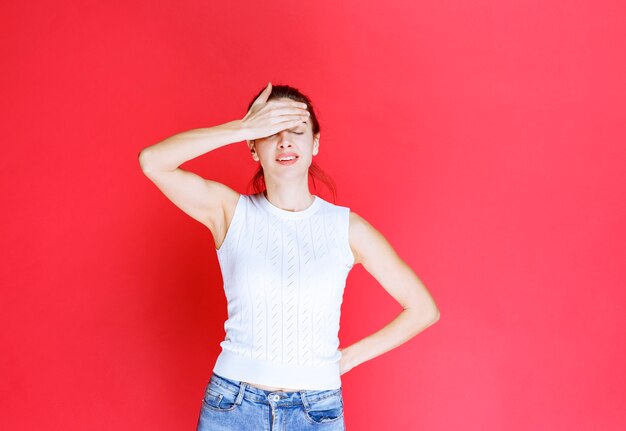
(283, 139)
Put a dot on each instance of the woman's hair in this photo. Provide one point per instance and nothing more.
(280, 91)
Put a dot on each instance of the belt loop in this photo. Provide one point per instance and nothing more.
(242, 390)
(305, 401)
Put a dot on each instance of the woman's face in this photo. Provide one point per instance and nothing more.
(298, 141)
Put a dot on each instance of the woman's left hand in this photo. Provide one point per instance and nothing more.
(344, 363)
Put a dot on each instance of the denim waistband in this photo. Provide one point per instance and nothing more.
(277, 397)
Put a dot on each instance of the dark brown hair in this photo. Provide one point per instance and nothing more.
(279, 91)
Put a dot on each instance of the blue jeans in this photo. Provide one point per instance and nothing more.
(230, 405)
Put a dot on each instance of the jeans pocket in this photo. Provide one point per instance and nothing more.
(325, 408)
(219, 398)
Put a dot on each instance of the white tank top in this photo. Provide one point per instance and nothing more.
(284, 276)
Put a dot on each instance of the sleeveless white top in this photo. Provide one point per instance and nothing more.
(284, 276)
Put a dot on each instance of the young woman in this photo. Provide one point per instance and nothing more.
(284, 254)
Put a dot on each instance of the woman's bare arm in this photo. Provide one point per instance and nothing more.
(200, 198)
(378, 257)
(207, 200)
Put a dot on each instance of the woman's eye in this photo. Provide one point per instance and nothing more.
(299, 133)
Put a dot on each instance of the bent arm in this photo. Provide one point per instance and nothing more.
(419, 312)
(203, 199)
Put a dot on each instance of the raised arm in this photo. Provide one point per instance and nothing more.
(202, 199)
(210, 202)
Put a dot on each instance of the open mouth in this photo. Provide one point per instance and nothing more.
(287, 159)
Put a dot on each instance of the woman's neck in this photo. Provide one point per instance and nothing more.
(290, 200)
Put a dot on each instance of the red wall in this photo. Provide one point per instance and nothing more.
(485, 140)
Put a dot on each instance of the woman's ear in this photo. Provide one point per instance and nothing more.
(316, 143)
(252, 148)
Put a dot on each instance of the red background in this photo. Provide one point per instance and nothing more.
(484, 139)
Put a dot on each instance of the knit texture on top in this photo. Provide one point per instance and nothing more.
(284, 276)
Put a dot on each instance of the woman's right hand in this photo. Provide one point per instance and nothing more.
(267, 118)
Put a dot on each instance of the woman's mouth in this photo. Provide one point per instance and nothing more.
(287, 160)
